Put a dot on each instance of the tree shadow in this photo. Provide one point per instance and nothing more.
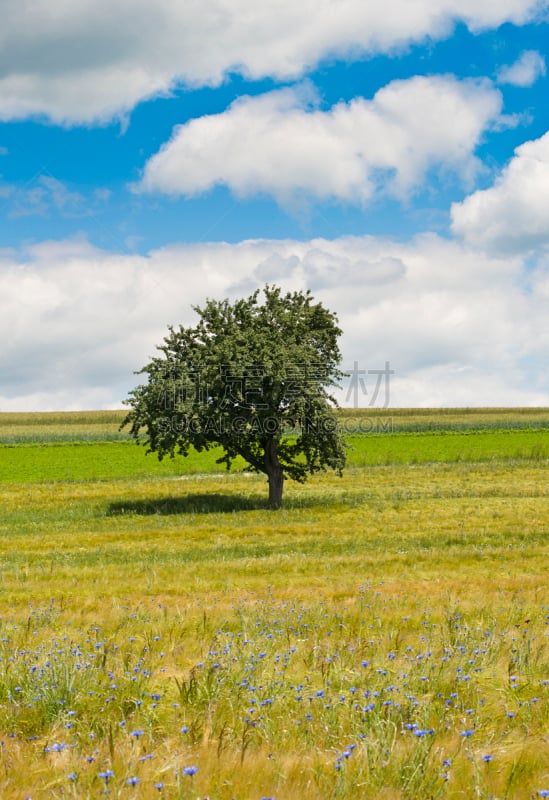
(187, 504)
(213, 504)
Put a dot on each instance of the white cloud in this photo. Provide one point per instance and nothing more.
(47, 196)
(525, 71)
(454, 323)
(277, 144)
(512, 215)
(91, 61)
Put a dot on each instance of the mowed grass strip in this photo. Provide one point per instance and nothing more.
(81, 461)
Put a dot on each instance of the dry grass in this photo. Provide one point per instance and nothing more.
(339, 648)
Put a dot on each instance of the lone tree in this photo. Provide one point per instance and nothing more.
(253, 377)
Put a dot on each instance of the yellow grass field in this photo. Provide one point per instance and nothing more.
(383, 635)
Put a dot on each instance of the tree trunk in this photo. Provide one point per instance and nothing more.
(274, 473)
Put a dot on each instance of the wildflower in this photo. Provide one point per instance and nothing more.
(487, 758)
(159, 786)
(137, 734)
(133, 781)
(55, 748)
(72, 776)
(190, 770)
(468, 733)
(108, 773)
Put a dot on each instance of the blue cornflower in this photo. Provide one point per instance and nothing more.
(190, 770)
(487, 758)
(159, 786)
(108, 773)
(468, 733)
(133, 781)
(137, 734)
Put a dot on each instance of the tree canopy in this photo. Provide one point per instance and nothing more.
(253, 377)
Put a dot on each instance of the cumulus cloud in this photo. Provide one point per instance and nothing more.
(512, 215)
(91, 61)
(525, 71)
(453, 323)
(279, 143)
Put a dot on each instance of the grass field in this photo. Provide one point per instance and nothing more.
(384, 635)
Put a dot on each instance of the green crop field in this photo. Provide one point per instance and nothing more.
(384, 635)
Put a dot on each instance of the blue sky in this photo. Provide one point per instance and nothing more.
(389, 156)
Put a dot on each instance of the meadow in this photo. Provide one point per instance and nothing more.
(384, 635)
